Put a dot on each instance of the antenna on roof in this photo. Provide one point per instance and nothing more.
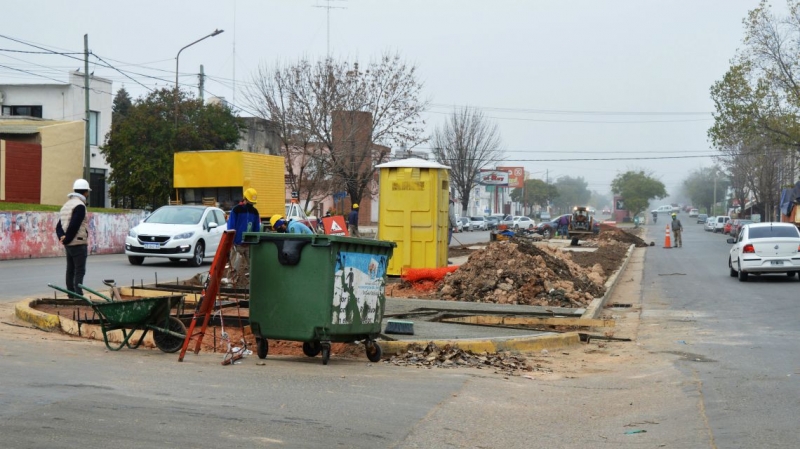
(329, 7)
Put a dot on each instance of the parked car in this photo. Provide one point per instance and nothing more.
(726, 229)
(765, 248)
(693, 212)
(463, 224)
(548, 228)
(709, 226)
(701, 218)
(739, 224)
(478, 224)
(719, 222)
(508, 221)
(492, 221)
(523, 222)
(189, 233)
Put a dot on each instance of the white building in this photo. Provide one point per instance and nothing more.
(66, 102)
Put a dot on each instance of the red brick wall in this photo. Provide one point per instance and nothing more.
(23, 172)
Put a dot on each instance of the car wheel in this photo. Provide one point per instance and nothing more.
(197, 259)
(730, 267)
(516, 227)
(546, 233)
(136, 260)
(742, 274)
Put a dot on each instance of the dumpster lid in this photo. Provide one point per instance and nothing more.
(412, 162)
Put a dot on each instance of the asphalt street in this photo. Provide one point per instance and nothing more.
(738, 341)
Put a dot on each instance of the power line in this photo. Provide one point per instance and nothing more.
(569, 112)
(584, 121)
(37, 52)
(31, 73)
(120, 71)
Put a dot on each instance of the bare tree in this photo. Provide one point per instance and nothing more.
(272, 96)
(467, 142)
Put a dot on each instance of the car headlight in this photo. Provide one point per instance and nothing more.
(132, 233)
(185, 235)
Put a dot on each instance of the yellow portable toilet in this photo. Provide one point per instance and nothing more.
(413, 212)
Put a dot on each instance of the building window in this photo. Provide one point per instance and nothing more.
(28, 111)
(94, 120)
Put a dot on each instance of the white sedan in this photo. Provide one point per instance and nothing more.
(189, 233)
(523, 222)
(765, 248)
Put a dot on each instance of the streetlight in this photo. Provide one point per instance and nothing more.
(177, 61)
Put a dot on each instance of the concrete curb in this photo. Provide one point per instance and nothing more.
(41, 320)
(514, 344)
(597, 305)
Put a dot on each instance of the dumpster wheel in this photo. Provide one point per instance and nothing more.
(311, 348)
(326, 352)
(262, 347)
(373, 351)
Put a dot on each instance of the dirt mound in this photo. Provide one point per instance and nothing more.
(609, 256)
(613, 233)
(520, 272)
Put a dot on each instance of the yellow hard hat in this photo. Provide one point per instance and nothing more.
(355, 205)
(274, 219)
(251, 195)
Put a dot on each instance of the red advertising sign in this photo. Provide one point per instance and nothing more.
(494, 177)
(516, 176)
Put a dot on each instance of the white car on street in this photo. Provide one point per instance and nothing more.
(709, 226)
(478, 223)
(189, 233)
(523, 222)
(765, 248)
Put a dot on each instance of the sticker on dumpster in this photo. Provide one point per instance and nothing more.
(358, 287)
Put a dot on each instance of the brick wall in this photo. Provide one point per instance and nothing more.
(23, 172)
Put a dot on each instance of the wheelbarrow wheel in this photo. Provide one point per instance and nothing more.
(262, 347)
(326, 353)
(311, 348)
(170, 343)
(373, 350)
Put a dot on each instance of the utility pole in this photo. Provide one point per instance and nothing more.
(201, 84)
(714, 206)
(87, 154)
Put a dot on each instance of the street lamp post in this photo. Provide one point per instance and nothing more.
(177, 61)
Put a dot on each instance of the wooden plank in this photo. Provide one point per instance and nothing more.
(495, 320)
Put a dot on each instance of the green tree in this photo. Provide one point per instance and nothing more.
(699, 187)
(121, 105)
(637, 188)
(141, 144)
(537, 192)
(571, 192)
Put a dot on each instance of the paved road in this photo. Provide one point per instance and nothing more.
(737, 341)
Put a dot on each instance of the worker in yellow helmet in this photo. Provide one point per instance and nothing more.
(244, 217)
(352, 221)
(280, 224)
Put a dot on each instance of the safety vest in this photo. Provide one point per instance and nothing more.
(82, 237)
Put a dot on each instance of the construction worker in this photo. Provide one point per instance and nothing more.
(243, 218)
(72, 230)
(452, 225)
(280, 224)
(677, 227)
(352, 221)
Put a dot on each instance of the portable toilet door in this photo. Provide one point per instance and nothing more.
(413, 213)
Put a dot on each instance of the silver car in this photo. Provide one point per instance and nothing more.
(478, 223)
(765, 248)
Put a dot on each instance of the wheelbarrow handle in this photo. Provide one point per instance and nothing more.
(96, 293)
(64, 290)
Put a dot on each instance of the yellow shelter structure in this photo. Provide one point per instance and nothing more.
(413, 212)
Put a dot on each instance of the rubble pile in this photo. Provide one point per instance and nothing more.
(432, 356)
(614, 234)
(521, 272)
(609, 256)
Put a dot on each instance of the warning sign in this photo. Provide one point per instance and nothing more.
(335, 226)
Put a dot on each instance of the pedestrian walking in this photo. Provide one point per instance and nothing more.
(72, 230)
(352, 221)
(677, 227)
(243, 218)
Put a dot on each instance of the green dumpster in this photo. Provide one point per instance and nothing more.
(317, 289)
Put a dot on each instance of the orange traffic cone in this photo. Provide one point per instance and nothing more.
(667, 242)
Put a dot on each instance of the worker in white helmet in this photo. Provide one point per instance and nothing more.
(72, 230)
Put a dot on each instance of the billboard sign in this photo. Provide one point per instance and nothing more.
(516, 176)
(493, 177)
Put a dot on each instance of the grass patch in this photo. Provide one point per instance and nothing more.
(26, 207)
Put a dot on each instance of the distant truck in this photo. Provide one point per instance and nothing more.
(220, 178)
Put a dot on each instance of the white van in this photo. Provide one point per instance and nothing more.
(719, 222)
(662, 210)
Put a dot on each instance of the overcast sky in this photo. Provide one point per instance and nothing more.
(563, 79)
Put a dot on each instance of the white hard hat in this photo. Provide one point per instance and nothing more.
(81, 184)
